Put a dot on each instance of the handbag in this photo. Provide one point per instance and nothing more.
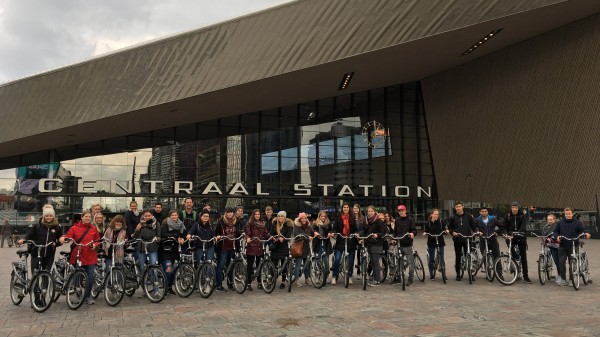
(297, 248)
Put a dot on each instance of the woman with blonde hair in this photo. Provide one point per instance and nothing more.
(282, 228)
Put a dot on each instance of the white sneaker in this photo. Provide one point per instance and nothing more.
(308, 282)
(350, 281)
(298, 284)
(333, 281)
(558, 279)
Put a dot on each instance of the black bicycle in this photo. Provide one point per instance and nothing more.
(237, 266)
(574, 261)
(207, 274)
(488, 258)
(345, 266)
(439, 263)
(154, 280)
(40, 287)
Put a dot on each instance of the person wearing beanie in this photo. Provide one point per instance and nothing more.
(45, 231)
(282, 228)
(515, 222)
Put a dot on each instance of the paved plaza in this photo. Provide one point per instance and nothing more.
(424, 309)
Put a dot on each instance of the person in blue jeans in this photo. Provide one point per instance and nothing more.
(227, 230)
(172, 232)
(204, 231)
(302, 228)
(434, 226)
(148, 230)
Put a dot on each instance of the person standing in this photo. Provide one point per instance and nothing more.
(302, 228)
(84, 232)
(568, 227)
(239, 213)
(227, 227)
(515, 222)
(405, 225)
(345, 226)
(132, 218)
(282, 229)
(435, 226)
(98, 221)
(488, 226)
(547, 231)
(203, 230)
(158, 214)
(168, 251)
(147, 230)
(269, 218)
(322, 237)
(463, 223)
(255, 228)
(115, 233)
(359, 222)
(374, 245)
(46, 230)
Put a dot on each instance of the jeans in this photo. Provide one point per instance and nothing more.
(431, 252)
(337, 261)
(297, 264)
(554, 252)
(153, 257)
(168, 269)
(208, 254)
(90, 280)
(408, 252)
(224, 259)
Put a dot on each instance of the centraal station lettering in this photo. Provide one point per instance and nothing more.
(54, 185)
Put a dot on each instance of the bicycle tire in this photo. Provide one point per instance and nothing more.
(114, 287)
(268, 276)
(490, 275)
(206, 279)
(158, 287)
(474, 266)
(584, 268)
(436, 264)
(16, 295)
(316, 273)
(290, 274)
(508, 268)
(542, 269)
(184, 280)
(574, 272)
(41, 291)
(461, 268)
(239, 276)
(346, 262)
(97, 285)
(443, 270)
(131, 283)
(365, 273)
(324, 263)
(75, 290)
(419, 268)
(469, 267)
(401, 275)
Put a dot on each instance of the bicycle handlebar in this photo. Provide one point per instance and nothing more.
(435, 236)
(466, 236)
(572, 239)
(396, 238)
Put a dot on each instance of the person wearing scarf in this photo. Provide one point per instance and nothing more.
(168, 251)
(375, 227)
(115, 233)
(45, 231)
(322, 234)
(282, 227)
(228, 227)
(302, 227)
(344, 225)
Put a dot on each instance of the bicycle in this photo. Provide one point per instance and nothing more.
(290, 263)
(99, 272)
(130, 269)
(508, 264)
(488, 260)
(544, 260)
(61, 270)
(115, 279)
(316, 267)
(364, 259)
(78, 280)
(206, 277)
(184, 271)
(466, 260)
(439, 263)
(419, 269)
(584, 268)
(237, 266)
(345, 261)
(397, 260)
(266, 272)
(154, 280)
(40, 287)
(574, 261)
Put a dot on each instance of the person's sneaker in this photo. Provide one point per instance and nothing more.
(458, 278)
(570, 283)
(527, 280)
(357, 276)
(333, 281)
(561, 283)
(89, 300)
(375, 284)
(431, 278)
(172, 292)
(409, 283)
(558, 279)
(298, 284)
(249, 287)
(308, 282)
(350, 281)
(221, 289)
(282, 286)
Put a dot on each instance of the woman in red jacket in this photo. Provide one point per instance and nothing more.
(85, 232)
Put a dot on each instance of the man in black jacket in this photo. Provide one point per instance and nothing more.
(406, 225)
(515, 222)
(460, 223)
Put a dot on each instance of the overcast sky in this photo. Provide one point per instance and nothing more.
(41, 35)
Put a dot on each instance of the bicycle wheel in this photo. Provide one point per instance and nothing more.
(489, 267)
(206, 279)
(443, 270)
(542, 269)
(41, 291)
(401, 274)
(436, 264)
(461, 268)
(347, 267)
(469, 267)
(364, 267)
(507, 270)
(154, 283)
(316, 272)
(17, 289)
(584, 268)
(239, 276)
(419, 269)
(474, 266)
(131, 282)
(325, 263)
(268, 276)
(114, 287)
(97, 285)
(75, 290)
(574, 272)
(290, 275)
(184, 279)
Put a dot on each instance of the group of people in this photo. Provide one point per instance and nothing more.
(188, 227)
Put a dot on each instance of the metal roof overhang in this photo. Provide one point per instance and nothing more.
(397, 63)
